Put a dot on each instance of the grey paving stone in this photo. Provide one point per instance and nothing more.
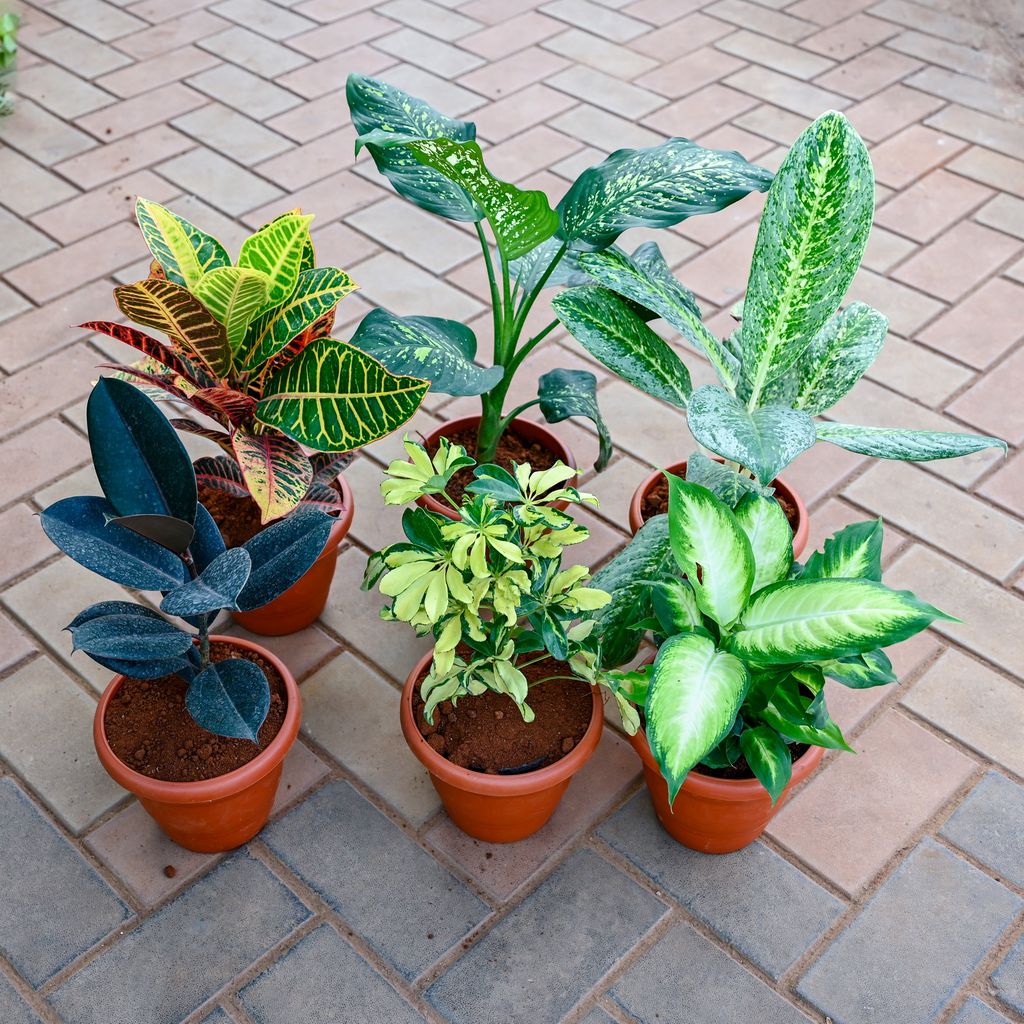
(55, 905)
(597, 1016)
(781, 911)
(569, 932)
(1008, 979)
(175, 960)
(14, 1009)
(989, 825)
(936, 917)
(685, 977)
(385, 886)
(218, 1017)
(974, 1011)
(322, 980)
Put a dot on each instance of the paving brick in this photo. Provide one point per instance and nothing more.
(119, 158)
(621, 98)
(329, 39)
(266, 18)
(890, 111)
(157, 71)
(22, 242)
(790, 60)
(720, 273)
(32, 547)
(602, 129)
(441, 58)
(971, 92)
(619, 28)
(868, 73)
(60, 91)
(42, 136)
(210, 933)
(761, 19)
(78, 52)
(101, 20)
(56, 906)
(690, 72)
(13, 1008)
(231, 133)
(15, 646)
(38, 455)
(931, 204)
(1008, 979)
(711, 988)
(243, 90)
(27, 186)
(601, 915)
(169, 35)
(980, 128)
(252, 51)
(918, 372)
(681, 37)
(936, 22)
(612, 58)
(788, 93)
(1007, 486)
(528, 153)
(992, 405)
(514, 34)
(936, 917)
(974, 1011)
(391, 281)
(338, 843)
(430, 18)
(313, 162)
(899, 777)
(976, 705)
(219, 181)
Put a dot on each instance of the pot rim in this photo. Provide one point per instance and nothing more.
(800, 534)
(205, 790)
(343, 523)
(496, 785)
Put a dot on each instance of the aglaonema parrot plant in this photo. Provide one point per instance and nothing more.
(249, 346)
(747, 637)
(435, 162)
(149, 532)
(796, 352)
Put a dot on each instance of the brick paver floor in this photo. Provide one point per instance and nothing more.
(889, 890)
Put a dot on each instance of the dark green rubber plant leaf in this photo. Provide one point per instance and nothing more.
(768, 757)
(654, 187)
(907, 445)
(169, 532)
(216, 587)
(183, 251)
(130, 638)
(565, 393)
(230, 698)
(440, 351)
(855, 552)
(616, 336)
(207, 543)
(378, 110)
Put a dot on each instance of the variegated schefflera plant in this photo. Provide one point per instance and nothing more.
(434, 161)
(747, 636)
(248, 345)
(795, 354)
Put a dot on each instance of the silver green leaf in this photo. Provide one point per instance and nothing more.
(723, 481)
(565, 393)
(771, 539)
(855, 552)
(809, 245)
(906, 445)
(768, 757)
(530, 268)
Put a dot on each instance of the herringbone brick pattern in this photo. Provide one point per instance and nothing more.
(889, 890)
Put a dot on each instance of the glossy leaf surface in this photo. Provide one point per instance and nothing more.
(913, 445)
(183, 252)
(216, 587)
(230, 698)
(277, 252)
(565, 393)
(276, 471)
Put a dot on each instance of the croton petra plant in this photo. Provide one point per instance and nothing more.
(747, 636)
(488, 586)
(149, 532)
(795, 354)
(248, 345)
(435, 162)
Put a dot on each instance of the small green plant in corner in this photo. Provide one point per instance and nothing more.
(435, 162)
(747, 637)
(796, 353)
(8, 56)
(149, 532)
(489, 586)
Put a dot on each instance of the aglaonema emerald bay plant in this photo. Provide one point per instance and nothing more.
(747, 637)
(489, 586)
(249, 346)
(795, 354)
(435, 162)
(149, 532)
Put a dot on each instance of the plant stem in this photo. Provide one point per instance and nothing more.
(497, 310)
(531, 297)
(523, 352)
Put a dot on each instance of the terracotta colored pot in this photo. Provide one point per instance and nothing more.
(216, 814)
(497, 808)
(800, 534)
(535, 432)
(716, 815)
(301, 604)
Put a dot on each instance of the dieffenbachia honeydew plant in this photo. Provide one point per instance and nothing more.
(249, 346)
(435, 162)
(795, 354)
(747, 636)
(489, 586)
(149, 532)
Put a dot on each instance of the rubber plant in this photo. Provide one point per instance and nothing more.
(747, 636)
(796, 352)
(435, 162)
(149, 532)
(248, 346)
(489, 586)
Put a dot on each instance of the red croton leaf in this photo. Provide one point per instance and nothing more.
(148, 346)
(276, 471)
(216, 436)
(155, 379)
(220, 473)
(225, 405)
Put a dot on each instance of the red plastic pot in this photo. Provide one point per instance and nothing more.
(497, 808)
(301, 604)
(716, 815)
(535, 432)
(216, 814)
(800, 533)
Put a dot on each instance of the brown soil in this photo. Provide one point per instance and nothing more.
(655, 503)
(512, 447)
(149, 728)
(488, 734)
(741, 770)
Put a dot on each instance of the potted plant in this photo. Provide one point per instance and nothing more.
(435, 162)
(8, 56)
(196, 726)
(734, 705)
(501, 712)
(249, 349)
(795, 353)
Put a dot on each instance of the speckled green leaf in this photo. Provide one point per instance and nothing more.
(809, 245)
(768, 757)
(722, 481)
(277, 251)
(861, 671)
(565, 393)
(529, 268)
(234, 296)
(183, 251)
(771, 539)
(855, 552)
(907, 445)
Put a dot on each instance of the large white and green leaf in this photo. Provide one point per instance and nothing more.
(764, 441)
(277, 251)
(434, 349)
(565, 393)
(723, 481)
(768, 757)
(235, 297)
(616, 336)
(654, 187)
(675, 607)
(809, 245)
(693, 698)
(854, 552)
(379, 109)
(711, 549)
(183, 251)
(861, 671)
(905, 445)
(332, 397)
(820, 620)
(771, 539)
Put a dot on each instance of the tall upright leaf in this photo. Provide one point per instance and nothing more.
(275, 468)
(234, 296)
(771, 539)
(855, 552)
(277, 251)
(183, 251)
